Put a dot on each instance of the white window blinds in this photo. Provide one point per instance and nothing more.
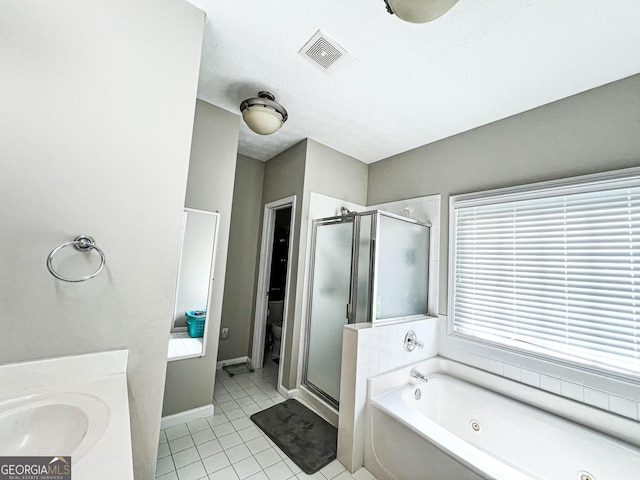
(553, 271)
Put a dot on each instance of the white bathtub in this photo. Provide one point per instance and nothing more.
(457, 430)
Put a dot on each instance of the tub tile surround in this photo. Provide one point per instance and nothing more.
(609, 394)
(368, 351)
(383, 391)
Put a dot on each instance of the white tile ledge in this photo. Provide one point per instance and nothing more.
(182, 346)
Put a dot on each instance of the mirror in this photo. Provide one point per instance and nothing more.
(195, 274)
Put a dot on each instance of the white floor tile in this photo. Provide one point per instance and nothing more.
(217, 420)
(362, 474)
(226, 474)
(250, 433)
(222, 398)
(177, 432)
(195, 471)
(247, 467)
(268, 457)
(186, 457)
(279, 471)
(216, 462)
(237, 453)
(315, 476)
(163, 450)
(209, 448)
(230, 445)
(257, 445)
(244, 401)
(168, 476)
(230, 440)
(241, 423)
(198, 425)
(203, 436)
(180, 444)
(343, 476)
(235, 414)
(268, 403)
(223, 429)
(333, 469)
(164, 465)
(251, 409)
(258, 476)
(294, 468)
(238, 394)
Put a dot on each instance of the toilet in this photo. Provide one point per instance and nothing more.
(274, 322)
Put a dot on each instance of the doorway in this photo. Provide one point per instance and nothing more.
(272, 292)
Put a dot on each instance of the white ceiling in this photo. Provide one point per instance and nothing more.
(405, 85)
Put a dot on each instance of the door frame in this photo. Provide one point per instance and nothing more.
(262, 287)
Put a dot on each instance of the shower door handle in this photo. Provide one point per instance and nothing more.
(349, 313)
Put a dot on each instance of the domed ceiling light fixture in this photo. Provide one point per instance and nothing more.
(263, 114)
(419, 11)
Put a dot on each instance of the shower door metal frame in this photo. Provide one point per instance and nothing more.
(353, 217)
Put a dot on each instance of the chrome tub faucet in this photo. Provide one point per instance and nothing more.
(416, 374)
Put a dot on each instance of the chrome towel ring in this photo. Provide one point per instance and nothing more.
(82, 243)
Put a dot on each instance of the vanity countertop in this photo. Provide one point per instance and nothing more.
(91, 392)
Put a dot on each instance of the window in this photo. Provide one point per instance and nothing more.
(552, 270)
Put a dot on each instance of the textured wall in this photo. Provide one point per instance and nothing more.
(242, 262)
(90, 142)
(212, 168)
(283, 177)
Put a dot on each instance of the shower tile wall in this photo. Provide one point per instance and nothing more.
(608, 394)
(369, 351)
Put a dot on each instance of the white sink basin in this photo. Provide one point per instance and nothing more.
(63, 424)
(75, 406)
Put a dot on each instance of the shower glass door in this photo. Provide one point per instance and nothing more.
(329, 299)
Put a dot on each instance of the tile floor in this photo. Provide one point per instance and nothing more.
(228, 446)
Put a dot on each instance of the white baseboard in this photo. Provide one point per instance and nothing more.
(288, 393)
(232, 361)
(186, 416)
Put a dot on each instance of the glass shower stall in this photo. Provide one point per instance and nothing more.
(365, 267)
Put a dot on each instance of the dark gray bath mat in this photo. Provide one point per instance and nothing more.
(237, 369)
(307, 439)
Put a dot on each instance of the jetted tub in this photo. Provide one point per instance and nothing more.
(450, 428)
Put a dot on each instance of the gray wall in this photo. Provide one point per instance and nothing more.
(595, 131)
(335, 174)
(304, 168)
(283, 177)
(95, 128)
(239, 301)
(212, 168)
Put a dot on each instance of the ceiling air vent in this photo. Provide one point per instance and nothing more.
(323, 52)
